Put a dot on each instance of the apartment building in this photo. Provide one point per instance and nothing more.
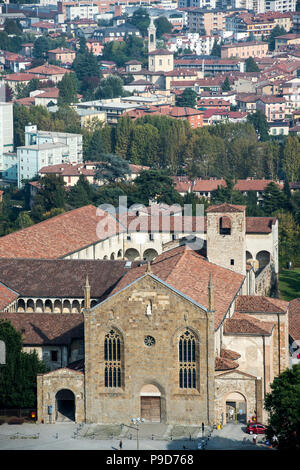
(280, 5)
(244, 50)
(6, 130)
(205, 21)
(273, 107)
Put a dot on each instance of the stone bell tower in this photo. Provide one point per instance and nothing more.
(151, 36)
(226, 236)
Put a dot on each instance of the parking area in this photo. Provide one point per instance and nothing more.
(70, 436)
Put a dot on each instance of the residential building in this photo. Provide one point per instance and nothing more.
(205, 21)
(280, 5)
(244, 50)
(62, 55)
(272, 106)
(286, 40)
(72, 141)
(33, 157)
(6, 130)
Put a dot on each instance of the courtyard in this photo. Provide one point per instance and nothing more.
(150, 437)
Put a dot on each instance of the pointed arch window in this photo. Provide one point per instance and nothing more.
(112, 358)
(187, 361)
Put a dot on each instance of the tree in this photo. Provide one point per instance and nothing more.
(250, 65)
(51, 193)
(112, 168)
(68, 87)
(289, 238)
(163, 26)
(88, 73)
(18, 377)
(291, 158)
(283, 405)
(23, 220)
(12, 27)
(81, 194)
(188, 98)
(226, 85)
(273, 199)
(141, 20)
(156, 185)
(277, 31)
(216, 49)
(40, 48)
(110, 87)
(260, 123)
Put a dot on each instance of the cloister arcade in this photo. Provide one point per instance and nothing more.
(262, 259)
(31, 305)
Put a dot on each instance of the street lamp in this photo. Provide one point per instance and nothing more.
(137, 422)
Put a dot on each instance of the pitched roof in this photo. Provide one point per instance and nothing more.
(225, 207)
(240, 323)
(46, 328)
(59, 278)
(182, 268)
(260, 304)
(294, 319)
(7, 296)
(61, 235)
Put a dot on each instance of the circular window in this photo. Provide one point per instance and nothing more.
(149, 341)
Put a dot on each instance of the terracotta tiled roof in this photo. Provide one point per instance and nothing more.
(240, 323)
(181, 268)
(260, 304)
(59, 236)
(225, 207)
(46, 328)
(228, 354)
(254, 184)
(161, 52)
(7, 296)
(59, 278)
(221, 363)
(208, 185)
(294, 319)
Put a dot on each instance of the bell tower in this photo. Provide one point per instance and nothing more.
(151, 36)
(226, 236)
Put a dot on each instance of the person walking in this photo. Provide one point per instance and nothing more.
(254, 439)
(121, 445)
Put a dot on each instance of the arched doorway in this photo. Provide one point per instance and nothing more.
(150, 403)
(236, 408)
(65, 405)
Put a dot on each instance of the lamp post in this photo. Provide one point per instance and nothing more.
(137, 422)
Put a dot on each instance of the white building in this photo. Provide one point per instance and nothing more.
(280, 6)
(44, 148)
(72, 141)
(81, 11)
(6, 130)
(31, 158)
(197, 3)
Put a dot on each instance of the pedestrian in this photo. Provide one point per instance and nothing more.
(121, 445)
(254, 438)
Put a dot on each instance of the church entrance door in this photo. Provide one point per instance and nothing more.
(150, 403)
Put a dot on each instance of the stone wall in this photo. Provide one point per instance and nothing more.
(227, 383)
(171, 315)
(48, 385)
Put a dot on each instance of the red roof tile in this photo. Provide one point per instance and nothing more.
(181, 268)
(7, 296)
(241, 323)
(260, 304)
(294, 319)
(59, 236)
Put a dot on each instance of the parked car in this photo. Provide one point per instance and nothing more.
(256, 428)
